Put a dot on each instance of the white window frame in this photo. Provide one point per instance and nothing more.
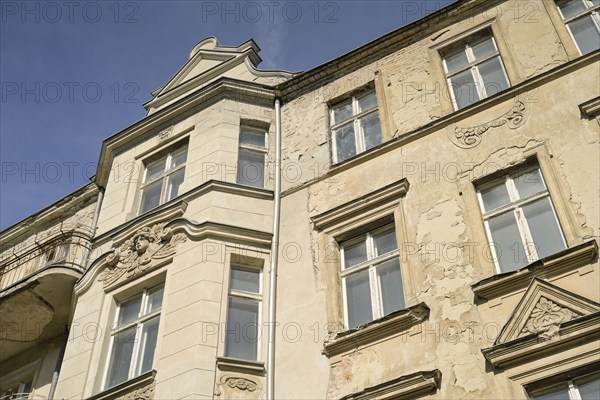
(254, 149)
(164, 176)
(20, 394)
(573, 391)
(359, 137)
(473, 66)
(247, 296)
(371, 265)
(516, 204)
(590, 8)
(136, 357)
(58, 251)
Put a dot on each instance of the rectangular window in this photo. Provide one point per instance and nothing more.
(163, 178)
(133, 339)
(583, 22)
(520, 220)
(372, 280)
(54, 254)
(251, 157)
(355, 126)
(474, 69)
(584, 388)
(18, 391)
(243, 313)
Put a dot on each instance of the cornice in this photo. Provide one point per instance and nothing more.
(241, 366)
(125, 390)
(390, 325)
(408, 385)
(591, 108)
(548, 267)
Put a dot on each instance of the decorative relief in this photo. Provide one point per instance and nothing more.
(143, 393)
(241, 384)
(238, 387)
(468, 138)
(165, 133)
(141, 252)
(545, 319)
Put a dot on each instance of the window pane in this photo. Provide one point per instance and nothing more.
(571, 7)
(355, 254)
(371, 129)
(247, 281)
(252, 138)
(586, 34)
(507, 242)
(484, 48)
(251, 168)
(345, 142)
(155, 297)
(151, 196)
(358, 296)
(529, 183)
(544, 227)
(495, 197)
(464, 89)
(130, 310)
(456, 61)
(174, 183)
(589, 390)
(242, 329)
(148, 345)
(120, 361)
(390, 284)
(560, 392)
(367, 102)
(493, 76)
(155, 169)
(385, 242)
(342, 112)
(178, 158)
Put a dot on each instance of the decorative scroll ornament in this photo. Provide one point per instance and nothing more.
(165, 133)
(241, 384)
(546, 317)
(140, 252)
(143, 393)
(468, 138)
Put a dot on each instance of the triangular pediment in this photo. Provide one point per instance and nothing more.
(542, 309)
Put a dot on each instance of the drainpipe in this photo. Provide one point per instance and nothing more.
(85, 263)
(274, 257)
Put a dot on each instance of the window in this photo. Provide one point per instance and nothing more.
(243, 313)
(163, 178)
(355, 126)
(134, 336)
(54, 254)
(474, 69)
(520, 220)
(585, 388)
(372, 280)
(18, 391)
(251, 157)
(583, 22)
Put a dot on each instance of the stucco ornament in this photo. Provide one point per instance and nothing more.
(470, 137)
(241, 384)
(546, 317)
(143, 393)
(141, 252)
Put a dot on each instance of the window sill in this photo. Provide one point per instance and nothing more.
(547, 267)
(390, 325)
(416, 384)
(139, 387)
(241, 366)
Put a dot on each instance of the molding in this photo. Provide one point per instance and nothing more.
(591, 108)
(420, 383)
(542, 309)
(138, 388)
(569, 335)
(390, 325)
(548, 267)
(241, 366)
(467, 138)
(375, 202)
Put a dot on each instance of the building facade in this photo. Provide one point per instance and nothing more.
(418, 218)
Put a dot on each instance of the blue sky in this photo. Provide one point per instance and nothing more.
(75, 72)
